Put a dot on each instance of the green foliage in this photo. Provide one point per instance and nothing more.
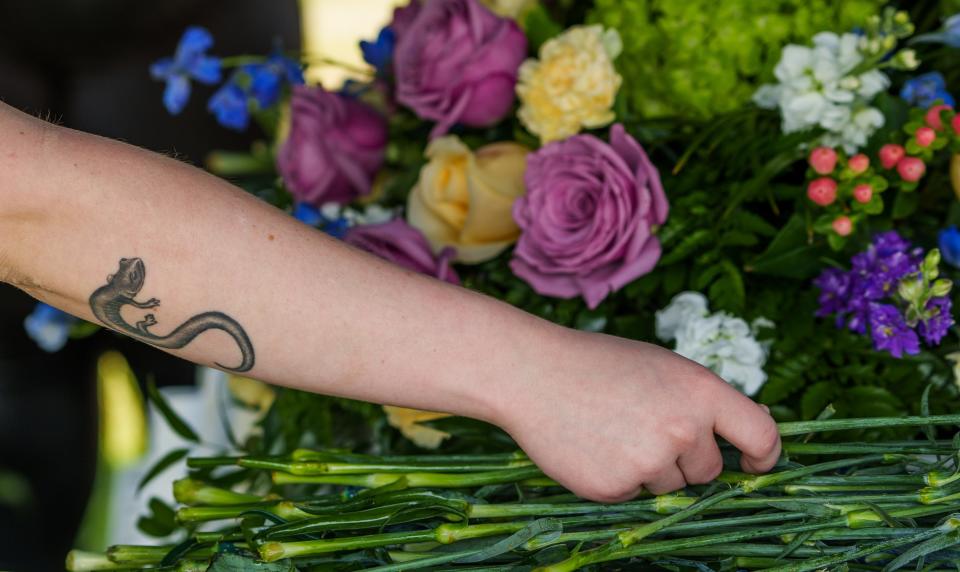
(699, 58)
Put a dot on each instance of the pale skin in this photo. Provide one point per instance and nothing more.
(604, 416)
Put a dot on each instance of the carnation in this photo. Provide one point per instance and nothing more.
(572, 85)
(725, 344)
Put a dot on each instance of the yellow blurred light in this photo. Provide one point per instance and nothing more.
(123, 423)
(331, 32)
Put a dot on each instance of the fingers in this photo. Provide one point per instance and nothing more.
(669, 479)
(749, 428)
(701, 463)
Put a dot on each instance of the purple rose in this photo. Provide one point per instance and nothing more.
(404, 17)
(400, 243)
(457, 63)
(588, 217)
(336, 146)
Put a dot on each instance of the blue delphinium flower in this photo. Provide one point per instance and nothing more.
(190, 61)
(308, 214)
(334, 226)
(938, 324)
(867, 299)
(890, 331)
(49, 327)
(924, 90)
(267, 78)
(948, 35)
(950, 246)
(229, 106)
(379, 52)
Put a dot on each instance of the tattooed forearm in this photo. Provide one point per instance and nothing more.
(121, 290)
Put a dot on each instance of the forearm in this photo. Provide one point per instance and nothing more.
(318, 315)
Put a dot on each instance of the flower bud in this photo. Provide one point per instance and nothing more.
(823, 160)
(859, 163)
(910, 289)
(842, 225)
(822, 191)
(890, 155)
(941, 287)
(911, 169)
(931, 264)
(925, 136)
(932, 117)
(863, 193)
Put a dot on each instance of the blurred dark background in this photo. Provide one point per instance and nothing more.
(84, 64)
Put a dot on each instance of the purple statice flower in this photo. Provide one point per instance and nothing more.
(938, 323)
(890, 331)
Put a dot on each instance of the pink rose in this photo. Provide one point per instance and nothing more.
(457, 63)
(400, 243)
(588, 217)
(404, 17)
(335, 147)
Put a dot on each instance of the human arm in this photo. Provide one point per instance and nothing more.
(601, 415)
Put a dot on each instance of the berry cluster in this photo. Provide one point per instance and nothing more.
(849, 188)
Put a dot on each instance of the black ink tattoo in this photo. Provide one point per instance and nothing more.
(121, 290)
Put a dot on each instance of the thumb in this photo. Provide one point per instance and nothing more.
(750, 428)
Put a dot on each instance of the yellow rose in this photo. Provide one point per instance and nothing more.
(572, 85)
(464, 199)
(408, 421)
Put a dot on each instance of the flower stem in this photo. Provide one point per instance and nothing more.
(804, 427)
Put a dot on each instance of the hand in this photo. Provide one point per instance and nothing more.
(606, 416)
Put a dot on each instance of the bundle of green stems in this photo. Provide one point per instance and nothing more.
(853, 506)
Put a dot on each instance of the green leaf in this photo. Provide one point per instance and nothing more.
(920, 550)
(540, 27)
(905, 204)
(163, 464)
(178, 425)
(755, 223)
(872, 401)
(816, 397)
(230, 562)
(728, 291)
(688, 246)
(161, 522)
(738, 238)
(790, 254)
(875, 206)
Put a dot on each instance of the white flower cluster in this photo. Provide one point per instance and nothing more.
(721, 342)
(371, 214)
(825, 86)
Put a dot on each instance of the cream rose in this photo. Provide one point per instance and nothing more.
(572, 85)
(464, 199)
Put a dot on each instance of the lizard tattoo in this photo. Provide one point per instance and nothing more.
(121, 290)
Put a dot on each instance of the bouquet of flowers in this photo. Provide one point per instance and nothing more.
(772, 191)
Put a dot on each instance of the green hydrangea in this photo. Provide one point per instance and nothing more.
(702, 57)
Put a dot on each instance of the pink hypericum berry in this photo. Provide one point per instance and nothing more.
(890, 155)
(911, 169)
(933, 116)
(859, 163)
(823, 160)
(955, 124)
(842, 225)
(822, 191)
(925, 136)
(863, 193)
